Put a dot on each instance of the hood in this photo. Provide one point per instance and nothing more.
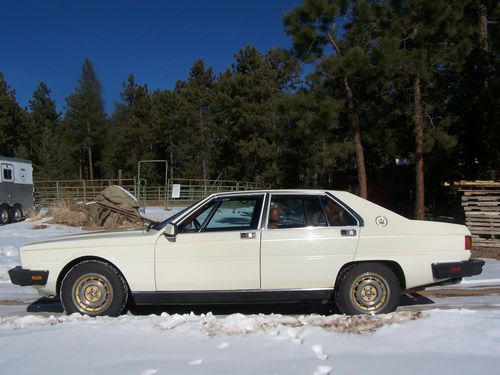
(102, 238)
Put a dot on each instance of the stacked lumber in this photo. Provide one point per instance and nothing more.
(481, 203)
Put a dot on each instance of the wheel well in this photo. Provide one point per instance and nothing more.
(394, 266)
(74, 262)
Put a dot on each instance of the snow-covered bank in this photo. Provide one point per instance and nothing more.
(448, 342)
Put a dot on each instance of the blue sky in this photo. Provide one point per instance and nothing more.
(157, 41)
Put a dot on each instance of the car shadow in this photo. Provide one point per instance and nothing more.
(46, 304)
(414, 299)
(53, 305)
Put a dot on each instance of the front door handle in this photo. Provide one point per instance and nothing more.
(247, 235)
(348, 232)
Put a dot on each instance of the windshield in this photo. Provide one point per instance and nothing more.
(162, 224)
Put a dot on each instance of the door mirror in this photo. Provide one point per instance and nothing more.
(170, 230)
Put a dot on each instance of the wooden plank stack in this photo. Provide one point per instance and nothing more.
(481, 203)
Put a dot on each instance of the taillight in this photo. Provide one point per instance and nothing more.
(468, 243)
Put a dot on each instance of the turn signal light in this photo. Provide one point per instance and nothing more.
(36, 278)
(468, 243)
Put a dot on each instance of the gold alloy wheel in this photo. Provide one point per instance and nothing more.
(370, 292)
(92, 294)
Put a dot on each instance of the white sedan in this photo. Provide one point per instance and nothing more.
(256, 246)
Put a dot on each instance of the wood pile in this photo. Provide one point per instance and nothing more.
(481, 203)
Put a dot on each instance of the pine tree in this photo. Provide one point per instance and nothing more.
(198, 95)
(316, 29)
(85, 121)
(247, 126)
(49, 158)
(131, 136)
(417, 44)
(14, 130)
(173, 143)
(476, 100)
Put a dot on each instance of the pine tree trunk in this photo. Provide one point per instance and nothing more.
(204, 151)
(419, 150)
(89, 149)
(171, 158)
(358, 145)
(482, 13)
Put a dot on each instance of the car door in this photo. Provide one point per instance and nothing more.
(307, 239)
(217, 247)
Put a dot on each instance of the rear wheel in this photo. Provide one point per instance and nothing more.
(368, 288)
(17, 213)
(4, 214)
(94, 288)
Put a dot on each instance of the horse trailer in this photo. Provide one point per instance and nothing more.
(16, 189)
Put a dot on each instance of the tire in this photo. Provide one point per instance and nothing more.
(368, 288)
(5, 215)
(17, 213)
(94, 288)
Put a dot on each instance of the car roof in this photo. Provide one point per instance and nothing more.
(278, 191)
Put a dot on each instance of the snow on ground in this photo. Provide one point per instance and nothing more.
(413, 340)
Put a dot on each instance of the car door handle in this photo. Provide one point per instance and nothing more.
(348, 232)
(247, 235)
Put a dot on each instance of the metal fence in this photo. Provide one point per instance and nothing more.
(49, 192)
(191, 190)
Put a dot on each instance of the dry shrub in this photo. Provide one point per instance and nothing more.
(73, 214)
(67, 212)
(39, 226)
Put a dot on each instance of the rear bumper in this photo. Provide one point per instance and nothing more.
(466, 268)
(22, 277)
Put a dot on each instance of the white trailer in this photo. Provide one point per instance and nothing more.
(16, 189)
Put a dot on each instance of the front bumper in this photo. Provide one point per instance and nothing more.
(22, 277)
(466, 268)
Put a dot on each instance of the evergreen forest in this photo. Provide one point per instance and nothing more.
(389, 99)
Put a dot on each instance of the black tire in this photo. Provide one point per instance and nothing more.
(5, 215)
(94, 288)
(368, 288)
(17, 213)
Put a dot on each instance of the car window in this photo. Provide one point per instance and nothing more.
(289, 211)
(195, 221)
(336, 214)
(235, 213)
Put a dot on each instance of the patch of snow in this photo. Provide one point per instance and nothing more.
(320, 353)
(222, 345)
(323, 370)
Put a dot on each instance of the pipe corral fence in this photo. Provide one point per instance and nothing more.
(48, 193)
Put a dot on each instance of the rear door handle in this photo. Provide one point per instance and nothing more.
(247, 235)
(348, 232)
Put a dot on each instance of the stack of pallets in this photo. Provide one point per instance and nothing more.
(481, 203)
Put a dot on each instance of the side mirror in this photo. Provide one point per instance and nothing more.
(170, 230)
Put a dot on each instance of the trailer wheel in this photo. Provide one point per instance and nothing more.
(4, 214)
(17, 213)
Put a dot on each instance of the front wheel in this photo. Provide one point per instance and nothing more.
(368, 288)
(94, 288)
